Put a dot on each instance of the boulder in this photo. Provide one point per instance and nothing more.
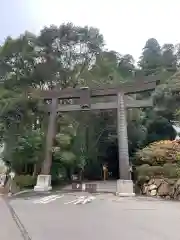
(153, 192)
(158, 182)
(167, 197)
(176, 190)
(164, 189)
(145, 189)
(151, 181)
(152, 187)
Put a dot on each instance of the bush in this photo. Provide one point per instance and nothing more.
(149, 171)
(143, 170)
(156, 171)
(159, 153)
(25, 181)
(171, 170)
(142, 179)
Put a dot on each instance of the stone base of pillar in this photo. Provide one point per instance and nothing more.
(43, 183)
(125, 188)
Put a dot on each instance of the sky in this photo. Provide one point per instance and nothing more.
(125, 24)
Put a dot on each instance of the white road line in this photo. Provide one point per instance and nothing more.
(44, 199)
(81, 200)
(73, 201)
(88, 200)
(53, 199)
(48, 199)
(78, 200)
(70, 202)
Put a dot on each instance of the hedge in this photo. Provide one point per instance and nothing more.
(25, 181)
(167, 170)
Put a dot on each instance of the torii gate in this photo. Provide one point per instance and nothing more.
(84, 98)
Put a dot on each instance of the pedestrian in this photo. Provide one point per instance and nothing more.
(105, 172)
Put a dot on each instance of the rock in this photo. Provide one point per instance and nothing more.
(152, 187)
(153, 192)
(171, 191)
(151, 182)
(164, 189)
(177, 184)
(178, 197)
(145, 189)
(176, 190)
(158, 182)
(170, 181)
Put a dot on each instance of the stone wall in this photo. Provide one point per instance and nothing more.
(161, 187)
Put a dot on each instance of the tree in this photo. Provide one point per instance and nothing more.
(26, 153)
(159, 128)
(56, 56)
(126, 66)
(166, 97)
(66, 51)
(151, 59)
(169, 58)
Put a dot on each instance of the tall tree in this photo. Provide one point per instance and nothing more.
(126, 66)
(169, 58)
(59, 55)
(151, 59)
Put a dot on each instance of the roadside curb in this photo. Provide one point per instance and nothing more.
(21, 192)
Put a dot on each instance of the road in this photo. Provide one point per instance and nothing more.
(59, 216)
(8, 228)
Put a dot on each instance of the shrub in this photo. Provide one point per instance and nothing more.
(159, 153)
(143, 170)
(25, 181)
(149, 171)
(142, 179)
(156, 171)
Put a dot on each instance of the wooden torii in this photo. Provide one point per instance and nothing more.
(86, 99)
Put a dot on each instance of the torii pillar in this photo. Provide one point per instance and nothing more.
(124, 184)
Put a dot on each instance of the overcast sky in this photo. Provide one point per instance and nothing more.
(125, 24)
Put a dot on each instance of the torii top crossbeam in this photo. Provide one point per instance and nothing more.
(135, 86)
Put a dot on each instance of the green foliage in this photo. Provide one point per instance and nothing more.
(25, 181)
(171, 170)
(169, 57)
(26, 151)
(159, 153)
(151, 60)
(67, 157)
(158, 128)
(168, 170)
(63, 140)
(143, 170)
(166, 97)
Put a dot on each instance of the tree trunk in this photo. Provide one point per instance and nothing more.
(35, 170)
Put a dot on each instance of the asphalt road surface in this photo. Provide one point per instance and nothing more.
(79, 217)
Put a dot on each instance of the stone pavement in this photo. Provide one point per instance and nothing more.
(105, 217)
(8, 228)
